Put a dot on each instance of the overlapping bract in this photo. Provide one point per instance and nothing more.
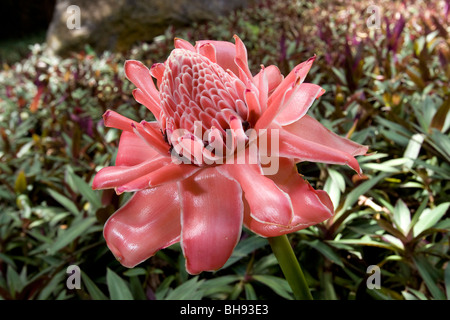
(202, 94)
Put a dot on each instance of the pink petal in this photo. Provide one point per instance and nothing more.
(183, 44)
(149, 132)
(225, 54)
(297, 75)
(299, 103)
(167, 173)
(253, 104)
(303, 149)
(153, 139)
(157, 71)
(310, 129)
(241, 60)
(112, 119)
(212, 211)
(140, 76)
(148, 222)
(208, 50)
(310, 206)
(274, 77)
(149, 103)
(133, 150)
(115, 176)
(282, 95)
(268, 203)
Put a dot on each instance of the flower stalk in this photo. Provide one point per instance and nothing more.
(291, 268)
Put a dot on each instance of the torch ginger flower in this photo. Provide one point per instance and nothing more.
(191, 180)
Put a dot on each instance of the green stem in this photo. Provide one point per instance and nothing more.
(290, 267)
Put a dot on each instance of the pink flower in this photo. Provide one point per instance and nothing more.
(202, 169)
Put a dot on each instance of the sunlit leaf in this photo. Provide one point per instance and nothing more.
(429, 218)
(402, 217)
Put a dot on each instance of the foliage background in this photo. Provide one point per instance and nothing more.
(386, 88)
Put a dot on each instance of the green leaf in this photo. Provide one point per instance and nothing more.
(363, 242)
(244, 248)
(364, 187)
(164, 287)
(190, 290)
(327, 284)
(74, 231)
(409, 296)
(56, 283)
(428, 274)
(250, 293)
(278, 285)
(118, 289)
(429, 218)
(334, 186)
(413, 149)
(94, 291)
(137, 289)
(20, 185)
(216, 285)
(65, 202)
(86, 191)
(447, 281)
(418, 294)
(135, 272)
(326, 251)
(340, 75)
(13, 279)
(7, 259)
(402, 217)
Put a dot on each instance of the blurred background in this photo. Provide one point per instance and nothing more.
(384, 66)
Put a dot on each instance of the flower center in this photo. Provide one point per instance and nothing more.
(202, 103)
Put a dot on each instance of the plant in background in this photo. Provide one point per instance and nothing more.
(395, 216)
(192, 168)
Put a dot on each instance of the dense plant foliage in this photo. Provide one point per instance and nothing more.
(387, 87)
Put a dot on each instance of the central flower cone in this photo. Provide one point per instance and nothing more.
(205, 166)
(201, 105)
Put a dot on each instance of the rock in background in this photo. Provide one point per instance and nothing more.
(118, 24)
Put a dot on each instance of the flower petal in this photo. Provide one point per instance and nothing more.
(241, 60)
(225, 54)
(310, 206)
(183, 44)
(212, 211)
(115, 176)
(273, 75)
(140, 76)
(299, 103)
(167, 173)
(310, 129)
(208, 50)
(133, 150)
(284, 93)
(297, 75)
(148, 222)
(303, 149)
(268, 203)
(149, 103)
